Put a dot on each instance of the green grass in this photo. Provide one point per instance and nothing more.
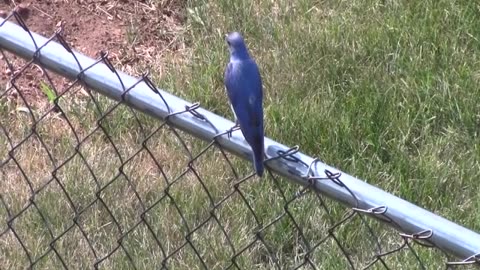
(384, 90)
(387, 91)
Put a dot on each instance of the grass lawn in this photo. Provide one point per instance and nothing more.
(387, 91)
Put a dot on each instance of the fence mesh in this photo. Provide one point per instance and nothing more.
(88, 182)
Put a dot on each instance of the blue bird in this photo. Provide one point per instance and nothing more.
(244, 90)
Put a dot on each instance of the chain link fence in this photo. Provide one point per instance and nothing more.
(106, 171)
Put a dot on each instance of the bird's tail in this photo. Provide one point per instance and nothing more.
(258, 162)
(255, 139)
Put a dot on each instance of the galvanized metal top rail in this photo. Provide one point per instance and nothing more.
(300, 168)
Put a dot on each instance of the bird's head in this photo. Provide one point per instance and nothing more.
(236, 45)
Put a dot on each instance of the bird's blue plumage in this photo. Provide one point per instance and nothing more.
(244, 90)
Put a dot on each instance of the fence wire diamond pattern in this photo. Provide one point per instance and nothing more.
(89, 182)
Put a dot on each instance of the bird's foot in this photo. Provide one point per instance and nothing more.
(234, 128)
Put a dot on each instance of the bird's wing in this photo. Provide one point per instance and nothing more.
(244, 90)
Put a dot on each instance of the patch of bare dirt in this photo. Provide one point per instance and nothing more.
(135, 33)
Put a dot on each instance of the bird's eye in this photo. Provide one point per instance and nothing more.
(228, 42)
